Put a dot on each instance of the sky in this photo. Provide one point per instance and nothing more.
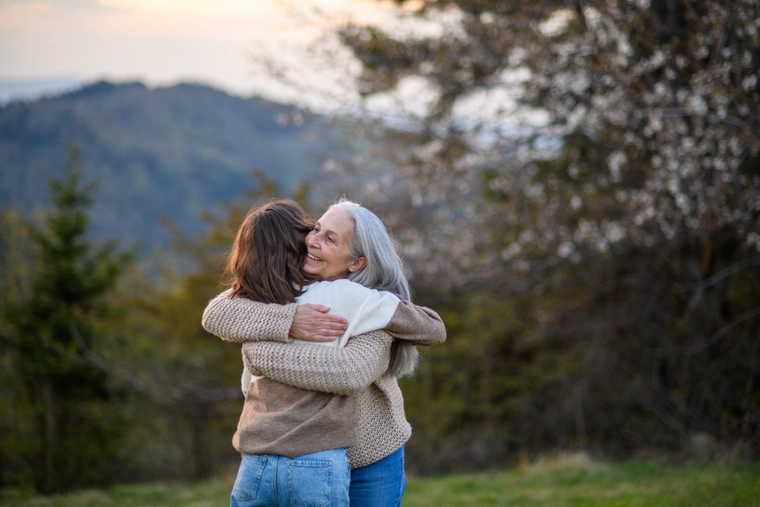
(52, 46)
(222, 43)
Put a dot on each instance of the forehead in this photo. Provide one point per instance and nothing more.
(337, 220)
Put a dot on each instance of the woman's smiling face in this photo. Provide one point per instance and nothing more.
(329, 247)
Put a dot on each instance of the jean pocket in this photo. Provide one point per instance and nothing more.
(310, 483)
(248, 478)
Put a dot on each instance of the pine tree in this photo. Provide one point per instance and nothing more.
(68, 428)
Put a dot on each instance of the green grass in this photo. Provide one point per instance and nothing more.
(203, 494)
(576, 481)
(563, 482)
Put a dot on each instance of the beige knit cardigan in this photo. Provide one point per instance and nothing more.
(359, 369)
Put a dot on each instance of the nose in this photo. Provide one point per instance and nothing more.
(311, 240)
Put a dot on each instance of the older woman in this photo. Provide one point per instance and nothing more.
(349, 242)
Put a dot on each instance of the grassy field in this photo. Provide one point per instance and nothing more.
(564, 482)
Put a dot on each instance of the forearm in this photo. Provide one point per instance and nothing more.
(416, 324)
(346, 370)
(242, 320)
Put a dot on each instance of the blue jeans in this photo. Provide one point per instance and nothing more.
(381, 484)
(320, 479)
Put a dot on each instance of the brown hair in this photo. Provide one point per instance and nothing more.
(268, 253)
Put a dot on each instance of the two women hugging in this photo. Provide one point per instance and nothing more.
(321, 425)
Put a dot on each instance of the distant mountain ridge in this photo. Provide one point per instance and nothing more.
(173, 152)
(12, 90)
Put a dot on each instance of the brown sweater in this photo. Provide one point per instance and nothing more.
(318, 398)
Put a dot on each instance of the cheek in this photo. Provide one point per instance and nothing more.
(335, 257)
(343, 260)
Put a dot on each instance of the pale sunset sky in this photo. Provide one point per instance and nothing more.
(162, 42)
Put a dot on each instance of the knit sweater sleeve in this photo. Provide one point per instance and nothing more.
(240, 319)
(416, 324)
(345, 370)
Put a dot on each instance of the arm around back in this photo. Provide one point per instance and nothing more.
(240, 319)
(416, 324)
(345, 370)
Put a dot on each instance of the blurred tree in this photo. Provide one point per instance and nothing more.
(15, 280)
(190, 380)
(110, 377)
(65, 427)
(596, 162)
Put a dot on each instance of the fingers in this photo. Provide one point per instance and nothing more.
(319, 308)
(311, 324)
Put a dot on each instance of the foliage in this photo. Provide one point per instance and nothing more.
(111, 378)
(605, 184)
(62, 419)
(189, 379)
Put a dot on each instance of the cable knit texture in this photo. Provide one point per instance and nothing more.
(237, 319)
(345, 371)
(383, 427)
(359, 369)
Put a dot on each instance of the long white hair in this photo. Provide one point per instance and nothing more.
(384, 271)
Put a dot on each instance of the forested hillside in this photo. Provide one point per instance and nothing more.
(172, 152)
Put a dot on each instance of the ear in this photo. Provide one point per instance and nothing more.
(357, 265)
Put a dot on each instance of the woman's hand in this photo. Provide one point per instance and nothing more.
(312, 323)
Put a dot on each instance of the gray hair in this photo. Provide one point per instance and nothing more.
(384, 271)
